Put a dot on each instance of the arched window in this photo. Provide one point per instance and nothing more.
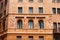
(30, 24)
(41, 24)
(19, 24)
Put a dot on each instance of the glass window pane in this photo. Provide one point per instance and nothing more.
(30, 37)
(55, 38)
(40, 10)
(58, 10)
(19, 38)
(20, 0)
(5, 12)
(41, 24)
(30, 0)
(58, 24)
(30, 24)
(2, 38)
(20, 24)
(30, 9)
(4, 24)
(41, 38)
(19, 9)
(53, 0)
(1, 5)
(5, 2)
(58, 1)
(54, 10)
(40, 0)
(55, 25)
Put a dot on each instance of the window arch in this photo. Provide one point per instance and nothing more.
(30, 24)
(19, 24)
(41, 24)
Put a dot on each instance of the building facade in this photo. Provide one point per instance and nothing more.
(29, 19)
